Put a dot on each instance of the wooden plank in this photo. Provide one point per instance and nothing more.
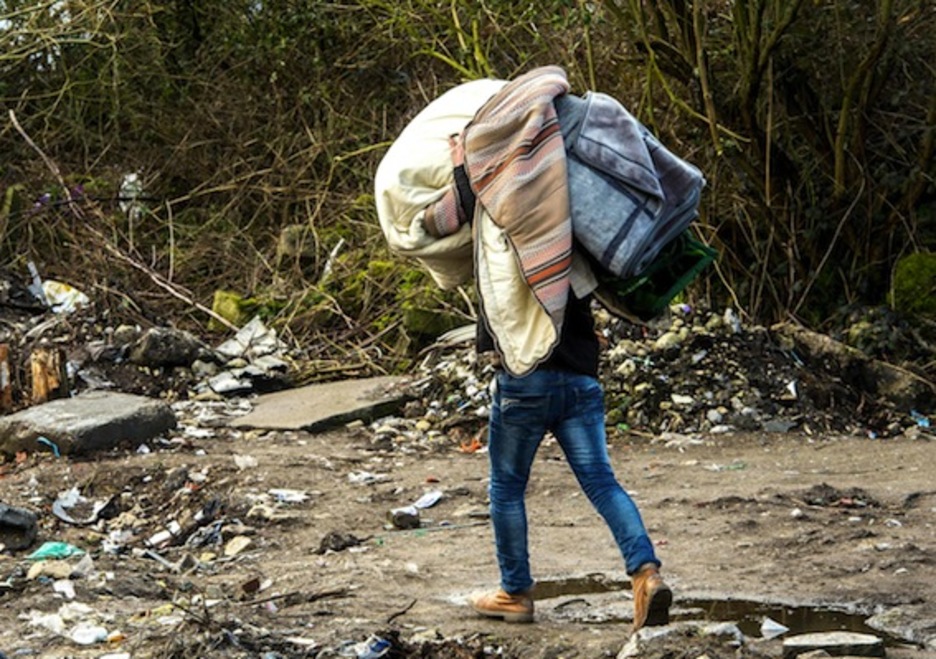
(6, 380)
(49, 380)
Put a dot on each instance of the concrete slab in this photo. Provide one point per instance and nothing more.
(837, 644)
(86, 423)
(319, 406)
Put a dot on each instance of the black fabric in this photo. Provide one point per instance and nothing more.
(578, 348)
(466, 196)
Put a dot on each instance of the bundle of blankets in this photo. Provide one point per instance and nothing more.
(531, 190)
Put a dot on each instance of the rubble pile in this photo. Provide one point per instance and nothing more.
(179, 524)
(705, 372)
(692, 371)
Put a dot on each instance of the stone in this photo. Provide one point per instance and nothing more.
(232, 307)
(648, 640)
(86, 423)
(166, 346)
(320, 406)
(17, 527)
(236, 545)
(835, 643)
(911, 623)
(124, 335)
(54, 569)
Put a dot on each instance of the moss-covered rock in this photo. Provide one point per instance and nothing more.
(915, 285)
(234, 308)
(428, 324)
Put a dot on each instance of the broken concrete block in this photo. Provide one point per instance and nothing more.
(166, 346)
(90, 422)
(319, 406)
(837, 644)
(17, 527)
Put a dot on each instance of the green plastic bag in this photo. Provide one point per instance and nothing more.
(645, 296)
(55, 550)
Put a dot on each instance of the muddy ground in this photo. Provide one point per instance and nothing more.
(775, 483)
(747, 525)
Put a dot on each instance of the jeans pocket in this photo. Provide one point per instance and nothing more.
(589, 399)
(519, 408)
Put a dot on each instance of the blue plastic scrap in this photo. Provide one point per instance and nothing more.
(52, 445)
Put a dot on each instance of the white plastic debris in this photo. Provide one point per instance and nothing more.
(428, 500)
(772, 629)
(87, 634)
(252, 340)
(245, 462)
(288, 496)
(131, 189)
(65, 588)
(63, 298)
(366, 477)
(69, 500)
(49, 621)
(36, 286)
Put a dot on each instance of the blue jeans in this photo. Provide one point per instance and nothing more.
(571, 406)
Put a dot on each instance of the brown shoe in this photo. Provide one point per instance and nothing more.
(652, 597)
(499, 604)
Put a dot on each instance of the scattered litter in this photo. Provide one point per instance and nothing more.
(88, 634)
(162, 538)
(63, 298)
(919, 419)
(374, 647)
(72, 499)
(64, 587)
(245, 462)
(366, 477)
(52, 445)
(253, 340)
(36, 286)
(338, 541)
(149, 553)
(288, 496)
(737, 465)
(407, 517)
(428, 500)
(679, 441)
(404, 518)
(772, 629)
(236, 545)
(49, 621)
(55, 550)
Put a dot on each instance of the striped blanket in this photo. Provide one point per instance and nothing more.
(515, 158)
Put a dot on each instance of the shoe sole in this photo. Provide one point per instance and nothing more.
(658, 609)
(522, 617)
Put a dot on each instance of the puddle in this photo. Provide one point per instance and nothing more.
(590, 584)
(747, 614)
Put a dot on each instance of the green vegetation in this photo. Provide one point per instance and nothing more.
(915, 285)
(256, 125)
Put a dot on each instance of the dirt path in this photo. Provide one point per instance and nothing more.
(781, 519)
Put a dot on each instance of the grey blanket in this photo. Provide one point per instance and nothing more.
(629, 194)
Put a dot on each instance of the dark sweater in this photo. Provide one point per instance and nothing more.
(578, 348)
